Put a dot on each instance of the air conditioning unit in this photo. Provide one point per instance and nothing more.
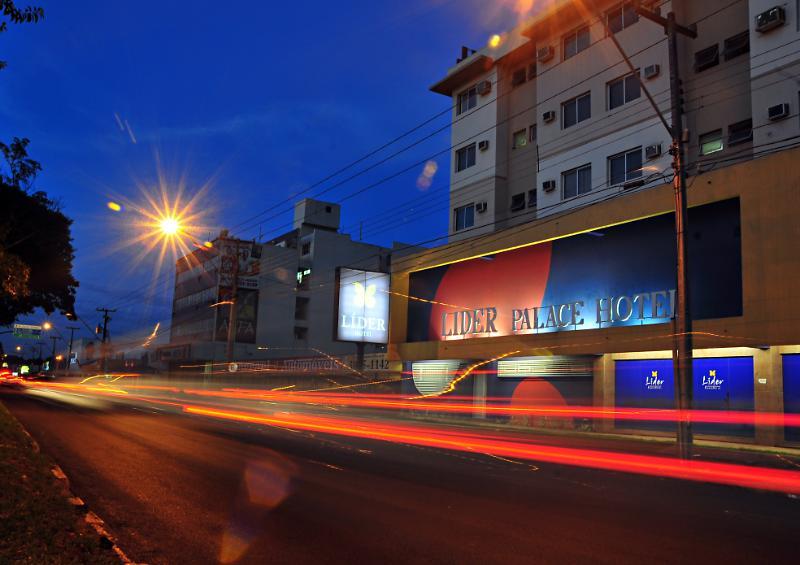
(778, 112)
(484, 87)
(480, 207)
(769, 20)
(483, 145)
(652, 151)
(549, 116)
(633, 184)
(544, 54)
(549, 185)
(652, 71)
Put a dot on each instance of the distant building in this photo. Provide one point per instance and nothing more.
(551, 118)
(286, 293)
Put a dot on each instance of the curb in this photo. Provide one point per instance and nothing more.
(106, 539)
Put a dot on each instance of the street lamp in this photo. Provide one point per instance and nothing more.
(47, 326)
(18, 348)
(169, 226)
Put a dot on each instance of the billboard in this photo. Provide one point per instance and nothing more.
(362, 313)
(246, 315)
(718, 383)
(621, 275)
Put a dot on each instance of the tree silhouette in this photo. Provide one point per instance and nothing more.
(15, 15)
(36, 251)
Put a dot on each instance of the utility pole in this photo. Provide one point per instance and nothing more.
(69, 355)
(234, 279)
(682, 352)
(103, 348)
(54, 339)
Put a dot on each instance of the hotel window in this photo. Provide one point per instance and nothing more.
(625, 167)
(576, 110)
(740, 132)
(711, 142)
(737, 45)
(519, 77)
(465, 157)
(576, 42)
(576, 182)
(518, 202)
(532, 133)
(467, 100)
(464, 217)
(706, 58)
(623, 90)
(621, 17)
(532, 194)
(520, 139)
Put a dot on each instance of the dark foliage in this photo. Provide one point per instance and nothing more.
(34, 236)
(10, 12)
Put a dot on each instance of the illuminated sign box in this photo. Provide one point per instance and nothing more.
(621, 275)
(363, 306)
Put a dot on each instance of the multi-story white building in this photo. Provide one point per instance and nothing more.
(549, 116)
(286, 292)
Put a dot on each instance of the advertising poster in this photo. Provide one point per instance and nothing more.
(363, 306)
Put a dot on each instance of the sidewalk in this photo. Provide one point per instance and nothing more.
(37, 522)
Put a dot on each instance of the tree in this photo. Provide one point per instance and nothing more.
(36, 250)
(11, 13)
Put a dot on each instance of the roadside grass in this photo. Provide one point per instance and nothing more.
(37, 523)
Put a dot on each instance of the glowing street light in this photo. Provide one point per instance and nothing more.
(47, 326)
(170, 226)
(18, 348)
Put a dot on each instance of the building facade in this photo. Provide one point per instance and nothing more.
(549, 117)
(285, 298)
(580, 311)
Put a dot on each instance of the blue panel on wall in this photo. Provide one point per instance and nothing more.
(720, 383)
(791, 392)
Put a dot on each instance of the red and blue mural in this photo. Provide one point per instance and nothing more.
(632, 261)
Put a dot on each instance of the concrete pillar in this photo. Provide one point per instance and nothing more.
(479, 396)
(768, 392)
(603, 385)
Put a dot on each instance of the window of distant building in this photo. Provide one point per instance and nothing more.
(465, 157)
(576, 42)
(520, 139)
(518, 202)
(623, 90)
(711, 142)
(625, 167)
(300, 333)
(576, 110)
(706, 58)
(737, 45)
(464, 217)
(532, 133)
(740, 132)
(532, 195)
(302, 277)
(305, 248)
(576, 181)
(467, 100)
(301, 308)
(519, 77)
(621, 17)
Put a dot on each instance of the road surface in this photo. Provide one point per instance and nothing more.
(185, 489)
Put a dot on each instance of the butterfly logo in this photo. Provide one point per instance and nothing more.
(365, 296)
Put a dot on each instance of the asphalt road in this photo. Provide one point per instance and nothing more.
(182, 489)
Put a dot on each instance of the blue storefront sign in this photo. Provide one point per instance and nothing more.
(791, 392)
(719, 383)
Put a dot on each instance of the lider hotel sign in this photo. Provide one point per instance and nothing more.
(621, 275)
(363, 306)
(646, 307)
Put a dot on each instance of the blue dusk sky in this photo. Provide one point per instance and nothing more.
(256, 101)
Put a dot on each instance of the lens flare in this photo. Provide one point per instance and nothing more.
(170, 226)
